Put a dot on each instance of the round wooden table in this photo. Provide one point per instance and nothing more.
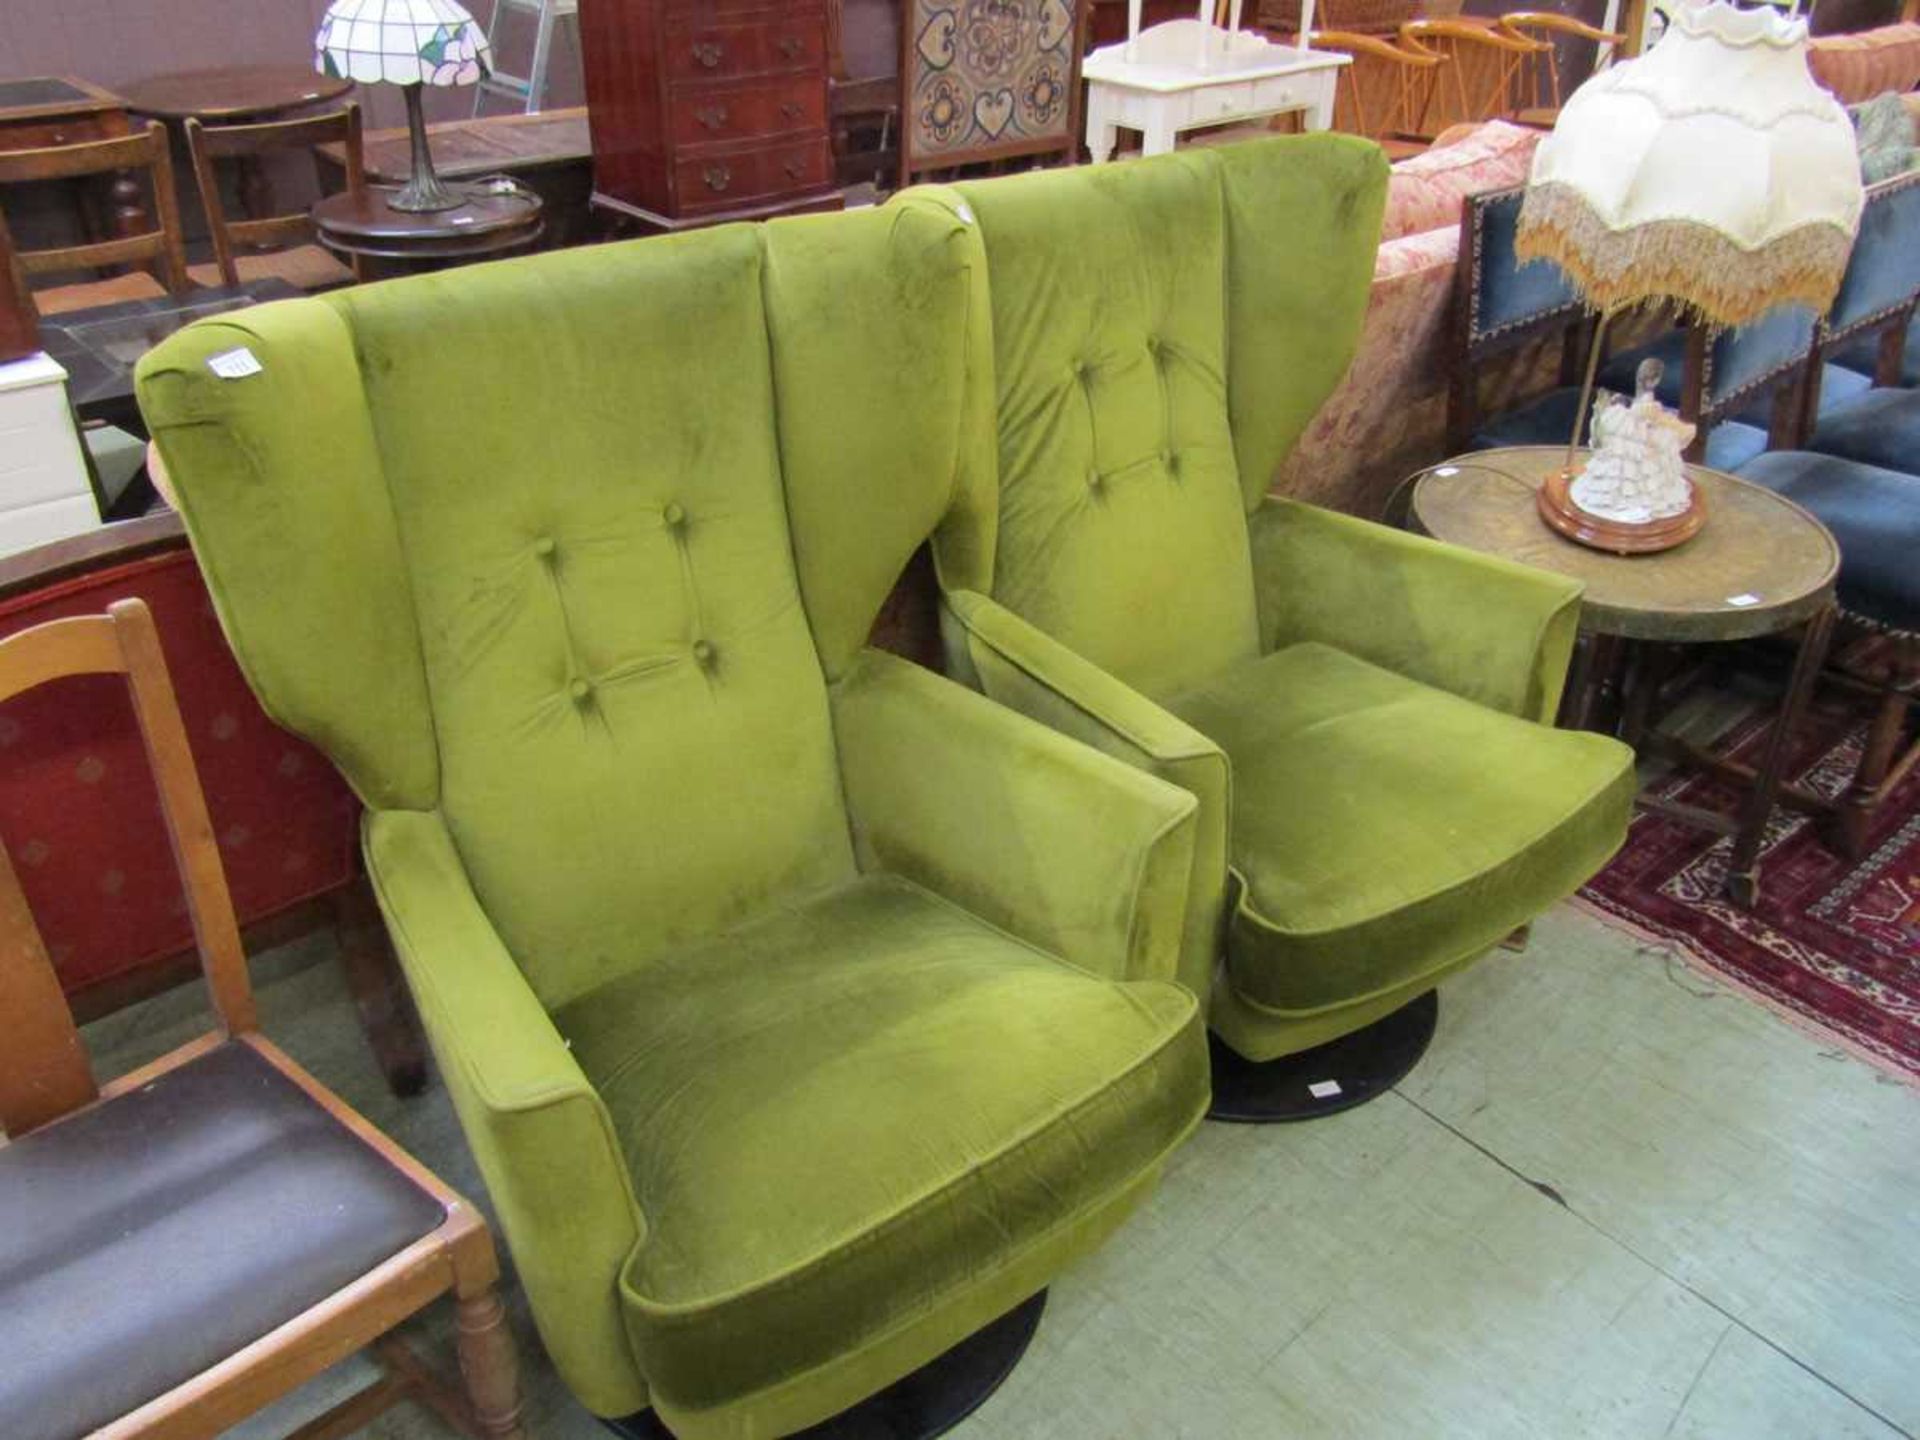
(1760, 566)
(497, 219)
(231, 94)
(235, 95)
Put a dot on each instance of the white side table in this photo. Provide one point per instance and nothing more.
(1186, 74)
(45, 492)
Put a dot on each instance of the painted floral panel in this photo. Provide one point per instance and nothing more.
(989, 73)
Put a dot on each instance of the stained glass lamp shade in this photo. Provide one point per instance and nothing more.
(409, 43)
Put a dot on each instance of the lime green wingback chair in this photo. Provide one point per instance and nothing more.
(1364, 715)
(804, 1010)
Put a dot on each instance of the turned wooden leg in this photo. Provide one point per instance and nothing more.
(129, 206)
(1743, 885)
(378, 989)
(489, 1365)
(1863, 795)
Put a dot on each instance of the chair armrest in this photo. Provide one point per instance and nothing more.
(538, 1129)
(1052, 841)
(1490, 630)
(1027, 670)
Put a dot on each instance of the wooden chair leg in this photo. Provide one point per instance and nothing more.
(489, 1364)
(378, 989)
(1855, 814)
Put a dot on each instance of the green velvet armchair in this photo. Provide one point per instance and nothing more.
(804, 1010)
(1364, 715)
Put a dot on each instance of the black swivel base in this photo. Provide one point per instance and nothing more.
(1345, 1072)
(930, 1401)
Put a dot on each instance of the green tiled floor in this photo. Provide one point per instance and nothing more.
(1614, 1201)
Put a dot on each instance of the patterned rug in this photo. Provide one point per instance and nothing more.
(1832, 945)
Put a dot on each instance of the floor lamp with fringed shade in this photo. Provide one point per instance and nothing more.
(1712, 173)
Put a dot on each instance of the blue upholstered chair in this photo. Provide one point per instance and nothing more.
(1868, 331)
(1879, 424)
(1502, 304)
(1750, 377)
(1866, 357)
(1860, 473)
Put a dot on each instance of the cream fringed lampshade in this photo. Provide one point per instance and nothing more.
(1712, 172)
(409, 43)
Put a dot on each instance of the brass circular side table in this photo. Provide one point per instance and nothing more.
(1760, 566)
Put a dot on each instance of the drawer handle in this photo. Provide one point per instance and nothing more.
(708, 52)
(788, 45)
(711, 116)
(718, 177)
(789, 110)
(795, 169)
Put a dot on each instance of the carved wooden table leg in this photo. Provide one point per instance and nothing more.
(1743, 886)
(489, 1365)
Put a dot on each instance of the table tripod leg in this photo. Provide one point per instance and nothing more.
(1742, 884)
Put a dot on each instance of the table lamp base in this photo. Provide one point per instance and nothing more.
(1557, 508)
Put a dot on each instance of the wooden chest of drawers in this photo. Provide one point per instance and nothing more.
(707, 110)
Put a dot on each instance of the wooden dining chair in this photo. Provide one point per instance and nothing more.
(1541, 89)
(1386, 90)
(1486, 68)
(159, 249)
(194, 1240)
(280, 247)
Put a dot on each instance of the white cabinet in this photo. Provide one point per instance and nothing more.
(45, 493)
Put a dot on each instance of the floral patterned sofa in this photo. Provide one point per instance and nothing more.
(1389, 414)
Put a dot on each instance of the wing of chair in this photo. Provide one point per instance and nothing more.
(1362, 714)
(805, 1011)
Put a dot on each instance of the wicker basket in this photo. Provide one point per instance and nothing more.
(1368, 17)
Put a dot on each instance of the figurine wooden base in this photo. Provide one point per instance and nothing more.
(1557, 508)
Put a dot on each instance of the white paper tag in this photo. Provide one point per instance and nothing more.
(1324, 1089)
(1743, 600)
(235, 364)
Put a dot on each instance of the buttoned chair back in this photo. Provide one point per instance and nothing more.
(1156, 337)
(1147, 388)
(569, 564)
(615, 636)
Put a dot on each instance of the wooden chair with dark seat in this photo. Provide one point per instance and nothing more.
(1386, 92)
(863, 89)
(275, 246)
(1541, 93)
(1486, 69)
(159, 249)
(194, 1240)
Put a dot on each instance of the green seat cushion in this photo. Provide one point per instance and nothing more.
(854, 1110)
(1383, 829)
